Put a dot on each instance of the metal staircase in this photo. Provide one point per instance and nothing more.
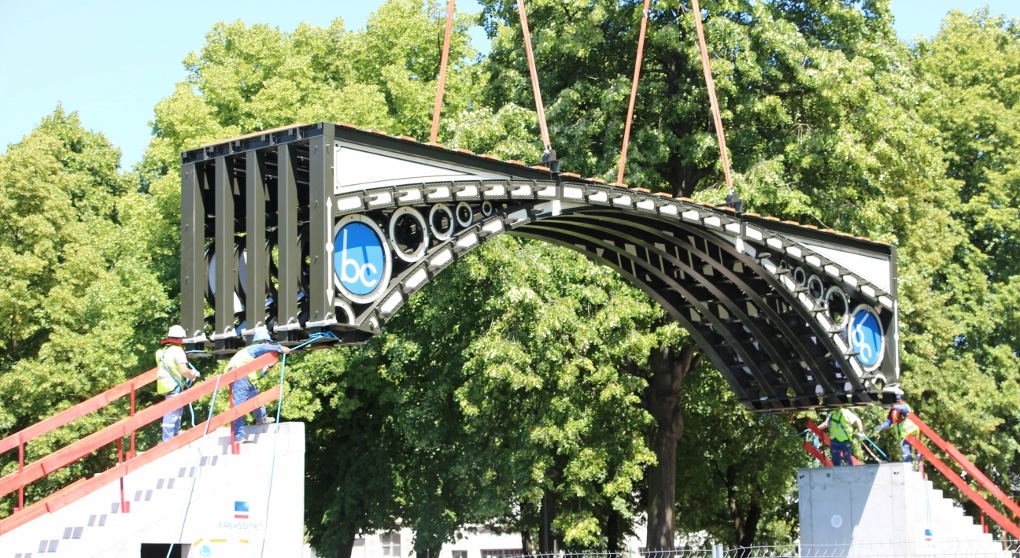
(199, 492)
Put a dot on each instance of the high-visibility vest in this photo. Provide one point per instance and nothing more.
(168, 377)
(905, 428)
(839, 430)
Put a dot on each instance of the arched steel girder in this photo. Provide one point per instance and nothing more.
(609, 224)
(751, 318)
(751, 324)
(744, 356)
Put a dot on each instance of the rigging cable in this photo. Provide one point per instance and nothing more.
(279, 406)
(548, 155)
(633, 91)
(441, 85)
(710, 85)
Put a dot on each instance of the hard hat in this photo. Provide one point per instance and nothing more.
(895, 390)
(176, 332)
(261, 335)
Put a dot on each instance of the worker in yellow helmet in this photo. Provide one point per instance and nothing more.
(173, 376)
(245, 387)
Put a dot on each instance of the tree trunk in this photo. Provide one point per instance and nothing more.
(345, 547)
(662, 398)
(546, 544)
(428, 552)
(745, 522)
(526, 546)
(613, 534)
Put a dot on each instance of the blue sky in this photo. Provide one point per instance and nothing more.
(113, 60)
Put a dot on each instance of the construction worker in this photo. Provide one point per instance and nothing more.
(245, 387)
(842, 424)
(899, 420)
(173, 376)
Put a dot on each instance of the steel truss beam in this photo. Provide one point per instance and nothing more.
(764, 300)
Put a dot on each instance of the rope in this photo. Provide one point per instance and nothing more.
(276, 441)
(874, 445)
(279, 407)
(710, 85)
(633, 91)
(546, 144)
(313, 338)
(441, 86)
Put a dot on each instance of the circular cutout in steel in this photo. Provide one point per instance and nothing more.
(465, 214)
(800, 276)
(816, 288)
(441, 221)
(837, 306)
(211, 264)
(486, 208)
(344, 313)
(408, 234)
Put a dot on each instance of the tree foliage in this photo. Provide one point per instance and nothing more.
(527, 383)
(971, 384)
(80, 300)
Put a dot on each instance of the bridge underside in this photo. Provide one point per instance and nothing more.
(334, 228)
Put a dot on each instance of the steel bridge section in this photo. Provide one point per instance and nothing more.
(329, 228)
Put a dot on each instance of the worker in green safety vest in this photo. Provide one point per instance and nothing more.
(842, 424)
(173, 375)
(899, 420)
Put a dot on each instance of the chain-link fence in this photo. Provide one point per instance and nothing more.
(913, 549)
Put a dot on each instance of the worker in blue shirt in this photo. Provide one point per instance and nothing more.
(245, 387)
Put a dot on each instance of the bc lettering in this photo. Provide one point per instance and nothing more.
(355, 272)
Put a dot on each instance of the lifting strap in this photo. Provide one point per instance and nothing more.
(710, 85)
(547, 151)
(633, 91)
(441, 85)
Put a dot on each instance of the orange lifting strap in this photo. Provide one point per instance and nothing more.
(441, 86)
(709, 85)
(633, 91)
(547, 151)
(706, 66)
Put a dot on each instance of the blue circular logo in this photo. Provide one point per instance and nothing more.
(866, 337)
(361, 262)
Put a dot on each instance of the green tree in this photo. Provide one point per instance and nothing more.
(80, 305)
(736, 467)
(817, 101)
(973, 389)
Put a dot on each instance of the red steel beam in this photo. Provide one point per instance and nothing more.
(124, 427)
(81, 409)
(83, 487)
(989, 510)
(818, 454)
(967, 466)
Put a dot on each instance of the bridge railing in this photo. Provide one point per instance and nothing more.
(28, 473)
(1008, 525)
(21, 438)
